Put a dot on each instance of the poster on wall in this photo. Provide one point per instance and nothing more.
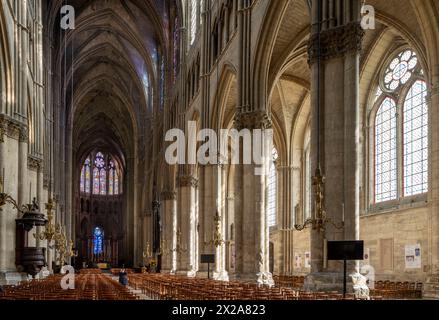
(298, 260)
(308, 260)
(413, 258)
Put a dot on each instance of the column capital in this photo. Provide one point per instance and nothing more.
(187, 181)
(169, 195)
(34, 163)
(11, 127)
(23, 134)
(253, 119)
(335, 42)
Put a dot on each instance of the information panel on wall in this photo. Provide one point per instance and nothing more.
(413, 258)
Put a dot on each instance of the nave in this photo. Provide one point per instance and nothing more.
(92, 284)
(109, 133)
(88, 286)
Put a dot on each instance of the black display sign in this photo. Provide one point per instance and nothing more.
(345, 250)
(207, 258)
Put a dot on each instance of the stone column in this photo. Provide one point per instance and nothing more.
(39, 198)
(334, 59)
(253, 223)
(169, 199)
(3, 219)
(214, 205)
(186, 226)
(23, 188)
(284, 216)
(252, 232)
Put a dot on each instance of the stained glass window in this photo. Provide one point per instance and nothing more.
(87, 176)
(272, 190)
(98, 241)
(416, 140)
(401, 131)
(103, 181)
(111, 179)
(82, 183)
(116, 183)
(400, 70)
(99, 160)
(193, 20)
(385, 152)
(95, 181)
(102, 174)
(111, 182)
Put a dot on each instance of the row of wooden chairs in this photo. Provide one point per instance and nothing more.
(169, 287)
(398, 290)
(87, 287)
(289, 281)
(90, 271)
(116, 271)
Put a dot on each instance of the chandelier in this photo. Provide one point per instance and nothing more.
(320, 219)
(217, 240)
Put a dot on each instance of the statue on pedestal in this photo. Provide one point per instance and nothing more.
(361, 289)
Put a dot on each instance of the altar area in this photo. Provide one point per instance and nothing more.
(103, 266)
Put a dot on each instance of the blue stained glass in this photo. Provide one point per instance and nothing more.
(98, 241)
(82, 184)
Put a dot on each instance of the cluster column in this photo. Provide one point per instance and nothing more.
(334, 51)
(169, 231)
(252, 231)
(186, 226)
(214, 219)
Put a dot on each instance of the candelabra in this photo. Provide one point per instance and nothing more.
(217, 240)
(50, 231)
(146, 253)
(72, 252)
(163, 248)
(60, 244)
(179, 248)
(320, 220)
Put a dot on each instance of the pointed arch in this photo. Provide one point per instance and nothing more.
(5, 65)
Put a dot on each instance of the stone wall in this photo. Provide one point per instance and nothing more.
(390, 232)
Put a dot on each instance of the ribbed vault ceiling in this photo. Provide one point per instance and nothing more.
(113, 72)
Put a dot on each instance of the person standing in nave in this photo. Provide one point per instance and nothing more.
(123, 277)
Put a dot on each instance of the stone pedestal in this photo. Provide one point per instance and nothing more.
(327, 281)
(12, 278)
(223, 275)
(431, 288)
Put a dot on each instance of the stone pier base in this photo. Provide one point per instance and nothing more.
(264, 279)
(167, 271)
(327, 281)
(12, 278)
(221, 276)
(184, 273)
